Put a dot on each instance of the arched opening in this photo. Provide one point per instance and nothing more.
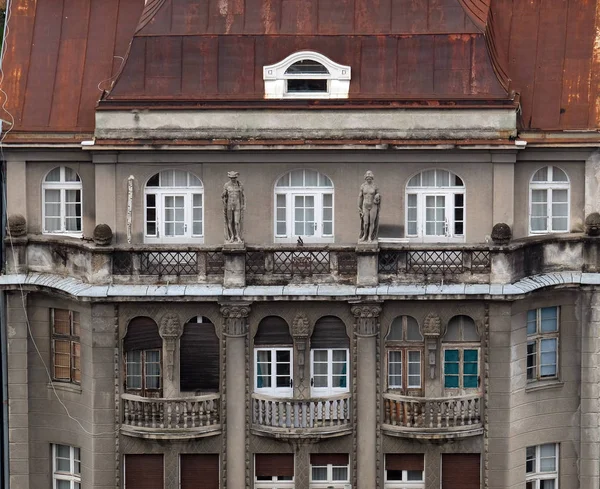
(142, 347)
(199, 357)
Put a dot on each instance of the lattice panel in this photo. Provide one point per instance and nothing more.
(388, 261)
(480, 261)
(301, 262)
(255, 262)
(122, 263)
(346, 263)
(435, 262)
(169, 263)
(215, 263)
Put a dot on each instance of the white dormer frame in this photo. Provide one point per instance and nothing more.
(338, 78)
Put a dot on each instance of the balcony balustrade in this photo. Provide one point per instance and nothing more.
(301, 418)
(180, 418)
(441, 417)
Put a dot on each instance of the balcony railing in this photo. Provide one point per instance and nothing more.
(433, 417)
(188, 417)
(324, 417)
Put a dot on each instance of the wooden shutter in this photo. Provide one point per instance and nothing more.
(271, 464)
(199, 358)
(144, 472)
(329, 458)
(142, 334)
(199, 472)
(273, 330)
(461, 471)
(330, 332)
(405, 461)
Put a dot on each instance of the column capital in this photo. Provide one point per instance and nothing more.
(367, 319)
(235, 318)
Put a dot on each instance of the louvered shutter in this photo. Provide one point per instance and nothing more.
(142, 334)
(321, 459)
(271, 464)
(405, 461)
(199, 358)
(144, 472)
(329, 332)
(461, 471)
(199, 471)
(273, 331)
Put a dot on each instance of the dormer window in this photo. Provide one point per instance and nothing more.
(306, 74)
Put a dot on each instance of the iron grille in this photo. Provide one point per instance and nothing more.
(255, 262)
(300, 262)
(169, 263)
(435, 262)
(346, 263)
(215, 263)
(480, 261)
(122, 263)
(388, 261)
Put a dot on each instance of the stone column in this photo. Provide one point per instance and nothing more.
(235, 332)
(367, 331)
(589, 458)
(170, 330)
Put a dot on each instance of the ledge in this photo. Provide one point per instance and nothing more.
(544, 385)
(175, 434)
(432, 433)
(301, 433)
(65, 387)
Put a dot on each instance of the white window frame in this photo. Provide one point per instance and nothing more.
(330, 482)
(538, 338)
(337, 76)
(461, 347)
(289, 192)
(449, 192)
(73, 477)
(537, 475)
(63, 186)
(549, 186)
(274, 390)
(404, 483)
(160, 194)
(329, 390)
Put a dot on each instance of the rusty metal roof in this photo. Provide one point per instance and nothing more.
(60, 52)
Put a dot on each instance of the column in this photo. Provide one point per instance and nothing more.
(589, 461)
(504, 188)
(366, 331)
(106, 198)
(235, 332)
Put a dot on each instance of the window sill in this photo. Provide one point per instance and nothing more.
(65, 387)
(543, 385)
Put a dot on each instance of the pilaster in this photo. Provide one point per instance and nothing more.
(170, 330)
(16, 191)
(504, 188)
(105, 179)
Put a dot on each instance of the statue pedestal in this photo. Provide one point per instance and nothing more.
(367, 258)
(235, 264)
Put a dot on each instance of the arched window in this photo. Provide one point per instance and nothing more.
(304, 207)
(460, 350)
(61, 194)
(404, 345)
(142, 346)
(329, 353)
(174, 208)
(199, 357)
(273, 358)
(549, 201)
(306, 74)
(435, 207)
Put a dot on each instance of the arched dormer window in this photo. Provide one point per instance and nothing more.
(306, 74)
(61, 194)
(304, 207)
(174, 208)
(435, 207)
(549, 201)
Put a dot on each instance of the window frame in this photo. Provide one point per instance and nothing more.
(324, 484)
(161, 193)
(73, 477)
(404, 483)
(329, 390)
(274, 390)
(74, 340)
(405, 347)
(538, 475)
(62, 185)
(449, 192)
(461, 347)
(289, 193)
(143, 390)
(549, 186)
(538, 338)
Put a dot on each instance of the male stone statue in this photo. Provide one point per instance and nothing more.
(234, 204)
(369, 203)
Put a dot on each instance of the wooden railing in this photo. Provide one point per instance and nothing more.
(160, 414)
(433, 414)
(331, 412)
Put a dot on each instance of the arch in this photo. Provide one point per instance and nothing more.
(199, 353)
(461, 328)
(273, 330)
(436, 178)
(174, 178)
(142, 333)
(62, 202)
(404, 328)
(142, 353)
(549, 201)
(304, 178)
(329, 332)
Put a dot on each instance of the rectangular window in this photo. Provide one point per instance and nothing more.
(411, 221)
(151, 225)
(329, 371)
(274, 471)
(281, 215)
(542, 343)
(199, 471)
(328, 469)
(197, 224)
(273, 371)
(66, 346)
(143, 370)
(461, 368)
(395, 369)
(327, 215)
(404, 369)
(404, 471)
(541, 466)
(66, 467)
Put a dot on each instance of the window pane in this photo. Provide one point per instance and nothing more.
(531, 360)
(71, 175)
(443, 178)
(394, 475)
(339, 355)
(62, 484)
(531, 322)
(310, 178)
(548, 357)
(412, 330)
(549, 319)
(558, 175)
(530, 460)
(319, 473)
(428, 178)
(548, 457)
(414, 475)
(297, 177)
(541, 175)
(54, 175)
(547, 484)
(340, 473)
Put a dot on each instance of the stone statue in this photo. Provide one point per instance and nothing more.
(369, 204)
(234, 204)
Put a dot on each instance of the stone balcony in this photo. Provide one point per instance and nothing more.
(301, 418)
(433, 418)
(173, 418)
(276, 265)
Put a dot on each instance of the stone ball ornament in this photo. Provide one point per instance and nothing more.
(592, 224)
(103, 235)
(501, 233)
(17, 225)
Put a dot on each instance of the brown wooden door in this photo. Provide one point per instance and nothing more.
(461, 471)
(144, 472)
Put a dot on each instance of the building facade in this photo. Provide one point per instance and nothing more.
(302, 244)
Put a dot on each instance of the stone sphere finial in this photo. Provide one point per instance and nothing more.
(17, 225)
(103, 235)
(501, 233)
(592, 224)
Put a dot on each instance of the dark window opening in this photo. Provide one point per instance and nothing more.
(304, 86)
(307, 67)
